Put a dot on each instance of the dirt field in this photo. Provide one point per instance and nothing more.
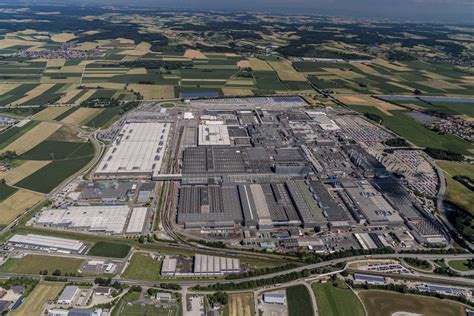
(50, 113)
(37, 91)
(33, 304)
(24, 170)
(63, 37)
(241, 304)
(259, 65)
(16, 204)
(32, 138)
(369, 101)
(68, 96)
(244, 64)
(80, 116)
(236, 92)
(194, 54)
(153, 92)
(140, 50)
(5, 87)
(137, 71)
(285, 71)
(55, 63)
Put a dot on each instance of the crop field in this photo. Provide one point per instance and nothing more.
(153, 92)
(241, 304)
(384, 303)
(456, 192)
(6, 190)
(16, 204)
(335, 301)
(143, 267)
(285, 71)
(109, 249)
(43, 292)
(50, 113)
(81, 116)
(13, 133)
(383, 106)
(27, 168)
(32, 138)
(299, 300)
(33, 264)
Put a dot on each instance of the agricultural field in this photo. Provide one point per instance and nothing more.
(456, 192)
(143, 267)
(336, 301)
(43, 292)
(299, 301)
(33, 264)
(241, 304)
(17, 203)
(109, 249)
(384, 303)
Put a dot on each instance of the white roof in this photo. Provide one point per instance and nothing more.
(138, 149)
(137, 220)
(47, 241)
(213, 134)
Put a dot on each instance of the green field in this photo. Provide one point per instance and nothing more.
(58, 150)
(334, 301)
(143, 267)
(460, 265)
(299, 301)
(33, 264)
(456, 192)
(384, 303)
(129, 306)
(415, 132)
(10, 135)
(6, 191)
(103, 117)
(109, 249)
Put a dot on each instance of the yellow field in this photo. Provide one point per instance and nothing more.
(236, 92)
(80, 116)
(5, 87)
(244, 64)
(32, 138)
(369, 101)
(63, 37)
(105, 85)
(137, 71)
(140, 50)
(259, 65)
(85, 96)
(68, 96)
(285, 71)
(194, 54)
(50, 113)
(33, 93)
(87, 46)
(34, 303)
(16, 204)
(55, 63)
(9, 42)
(153, 92)
(241, 304)
(24, 170)
(392, 65)
(241, 82)
(367, 69)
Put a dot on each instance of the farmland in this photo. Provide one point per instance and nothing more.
(241, 304)
(33, 264)
(299, 301)
(43, 292)
(386, 303)
(335, 301)
(143, 267)
(17, 203)
(108, 249)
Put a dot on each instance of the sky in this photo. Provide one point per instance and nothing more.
(424, 10)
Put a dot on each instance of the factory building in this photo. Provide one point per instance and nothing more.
(46, 243)
(68, 294)
(202, 266)
(213, 134)
(275, 298)
(137, 151)
(109, 219)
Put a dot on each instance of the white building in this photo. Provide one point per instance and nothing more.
(68, 295)
(275, 298)
(137, 151)
(47, 243)
(137, 220)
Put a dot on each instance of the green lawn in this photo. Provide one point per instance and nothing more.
(299, 301)
(143, 267)
(415, 132)
(109, 249)
(460, 265)
(33, 264)
(334, 301)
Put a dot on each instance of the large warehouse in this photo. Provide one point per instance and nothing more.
(137, 151)
(47, 243)
(110, 219)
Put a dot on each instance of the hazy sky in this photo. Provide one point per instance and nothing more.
(434, 10)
